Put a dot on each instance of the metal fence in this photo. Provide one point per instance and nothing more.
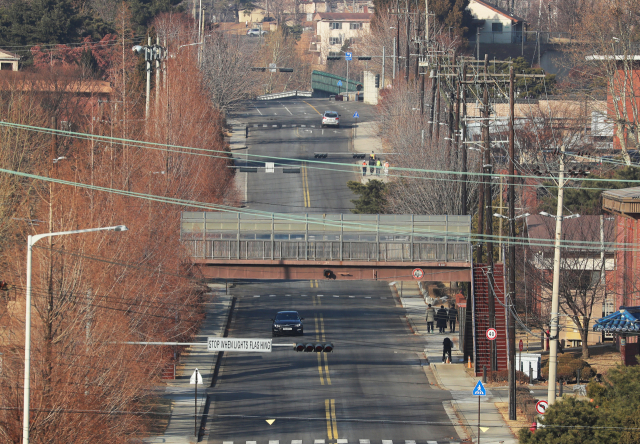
(344, 237)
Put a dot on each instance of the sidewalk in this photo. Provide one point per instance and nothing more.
(181, 428)
(453, 377)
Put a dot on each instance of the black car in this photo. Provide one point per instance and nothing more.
(287, 323)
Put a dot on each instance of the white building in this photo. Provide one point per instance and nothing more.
(495, 25)
(333, 29)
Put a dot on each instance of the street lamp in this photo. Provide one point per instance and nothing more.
(561, 218)
(27, 335)
(515, 218)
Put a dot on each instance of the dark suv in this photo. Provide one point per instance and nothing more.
(287, 323)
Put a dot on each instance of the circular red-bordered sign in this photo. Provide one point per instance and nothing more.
(492, 333)
(542, 407)
(417, 273)
(521, 345)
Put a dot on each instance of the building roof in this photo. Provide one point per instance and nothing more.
(344, 16)
(625, 201)
(625, 320)
(582, 229)
(6, 55)
(514, 18)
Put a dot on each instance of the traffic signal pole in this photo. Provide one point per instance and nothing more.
(510, 300)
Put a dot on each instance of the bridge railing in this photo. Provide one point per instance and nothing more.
(380, 238)
(282, 95)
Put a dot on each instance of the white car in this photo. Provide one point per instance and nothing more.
(255, 32)
(330, 118)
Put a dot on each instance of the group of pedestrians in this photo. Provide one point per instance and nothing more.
(441, 317)
(375, 165)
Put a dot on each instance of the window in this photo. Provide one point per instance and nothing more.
(335, 25)
(335, 40)
(496, 27)
(355, 25)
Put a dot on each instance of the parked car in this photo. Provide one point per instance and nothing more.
(330, 118)
(287, 323)
(255, 32)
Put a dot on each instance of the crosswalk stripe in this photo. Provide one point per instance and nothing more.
(367, 297)
(288, 295)
(256, 295)
(409, 441)
(365, 441)
(352, 296)
(227, 442)
(336, 296)
(320, 295)
(432, 442)
(272, 295)
(274, 442)
(384, 441)
(251, 442)
(296, 441)
(343, 441)
(318, 441)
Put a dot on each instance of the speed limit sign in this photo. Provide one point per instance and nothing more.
(492, 333)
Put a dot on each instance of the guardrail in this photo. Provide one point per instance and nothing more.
(282, 95)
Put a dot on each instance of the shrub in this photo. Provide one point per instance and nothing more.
(503, 376)
(567, 367)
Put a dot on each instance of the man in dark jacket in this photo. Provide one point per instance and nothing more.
(453, 316)
(441, 319)
(446, 349)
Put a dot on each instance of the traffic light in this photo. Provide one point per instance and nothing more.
(329, 274)
(358, 156)
(318, 348)
(259, 69)
(364, 57)
(334, 58)
(377, 80)
(285, 69)
(320, 155)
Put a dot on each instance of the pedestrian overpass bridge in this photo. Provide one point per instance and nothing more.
(227, 245)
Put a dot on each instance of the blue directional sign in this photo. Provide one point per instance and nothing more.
(339, 83)
(356, 115)
(347, 56)
(479, 389)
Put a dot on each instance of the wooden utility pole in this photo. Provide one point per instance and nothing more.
(432, 109)
(406, 61)
(463, 191)
(511, 295)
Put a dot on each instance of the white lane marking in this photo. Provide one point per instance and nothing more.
(320, 295)
(313, 126)
(227, 442)
(257, 110)
(318, 441)
(274, 442)
(274, 126)
(352, 296)
(303, 295)
(296, 441)
(272, 295)
(432, 442)
(367, 297)
(288, 295)
(336, 296)
(256, 295)
(275, 114)
(383, 297)
(284, 126)
(365, 441)
(288, 110)
(409, 441)
(303, 126)
(255, 125)
(384, 441)
(344, 441)
(264, 125)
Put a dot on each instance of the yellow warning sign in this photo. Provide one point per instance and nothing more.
(270, 421)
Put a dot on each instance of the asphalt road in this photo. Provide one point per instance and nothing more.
(371, 387)
(321, 186)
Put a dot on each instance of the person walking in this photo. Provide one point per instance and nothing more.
(431, 317)
(364, 168)
(372, 164)
(378, 166)
(453, 316)
(446, 349)
(441, 319)
(385, 169)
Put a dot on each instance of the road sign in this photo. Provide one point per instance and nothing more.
(239, 345)
(356, 115)
(521, 345)
(542, 407)
(417, 273)
(269, 167)
(479, 389)
(272, 67)
(339, 83)
(196, 377)
(347, 56)
(491, 334)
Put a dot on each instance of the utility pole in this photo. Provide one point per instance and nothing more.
(433, 75)
(147, 57)
(555, 300)
(488, 169)
(511, 295)
(463, 191)
(157, 49)
(394, 59)
(406, 61)
(383, 65)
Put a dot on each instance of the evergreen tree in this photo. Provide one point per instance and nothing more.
(372, 196)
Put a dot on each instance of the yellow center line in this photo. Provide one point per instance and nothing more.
(316, 283)
(326, 358)
(303, 170)
(311, 283)
(334, 420)
(319, 355)
(306, 180)
(328, 414)
(314, 108)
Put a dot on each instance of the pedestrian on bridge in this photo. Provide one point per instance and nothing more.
(385, 168)
(441, 319)
(431, 317)
(453, 317)
(378, 166)
(364, 168)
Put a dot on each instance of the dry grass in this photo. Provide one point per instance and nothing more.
(514, 426)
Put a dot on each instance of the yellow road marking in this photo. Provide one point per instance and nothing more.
(322, 338)
(326, 358)
(305, 187)
(311, 283)
(316, 281)
(314, 108)
(328, 414)
(319, 355)
(334, 420)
